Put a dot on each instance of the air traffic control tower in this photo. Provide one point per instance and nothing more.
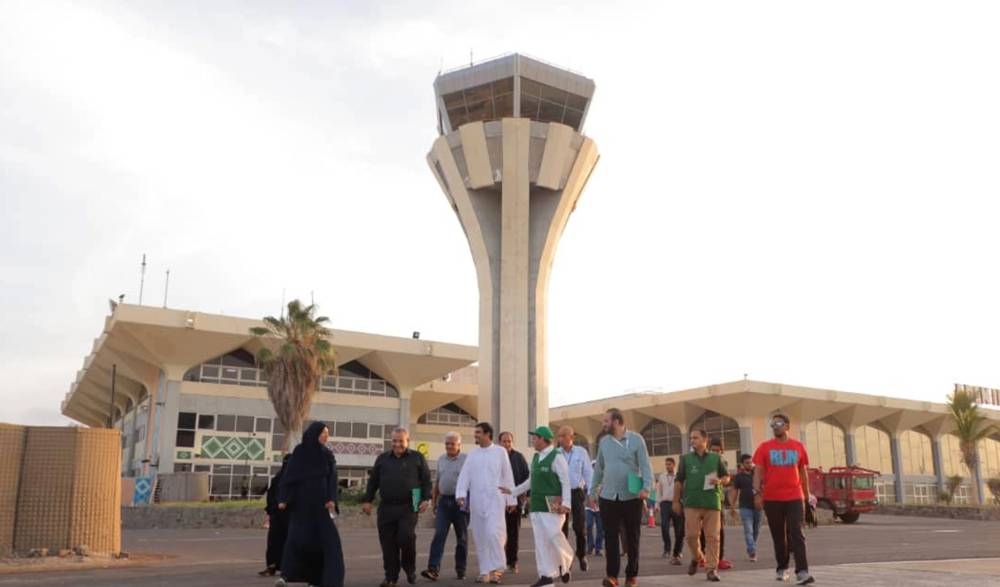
(512, 162)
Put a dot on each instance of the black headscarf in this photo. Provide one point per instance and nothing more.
(310, 458)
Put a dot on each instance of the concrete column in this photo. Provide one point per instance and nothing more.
(165, 449)
(746, 440)
(897, 466)
(404, 409)
(938, 462)
(802, 435)
(850, 448)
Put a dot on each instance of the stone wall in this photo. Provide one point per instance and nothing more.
(66, 483)
(985, 513)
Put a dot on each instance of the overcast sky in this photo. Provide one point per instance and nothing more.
(803, 192)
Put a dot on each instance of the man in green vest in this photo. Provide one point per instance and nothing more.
(549, 505)
(698, 477)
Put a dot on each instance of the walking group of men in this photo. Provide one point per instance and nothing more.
(485, 490)
(773, 481)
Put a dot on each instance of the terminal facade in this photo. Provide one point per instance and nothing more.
(189, 397)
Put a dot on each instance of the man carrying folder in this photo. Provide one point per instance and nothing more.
(403, 481)
(623, 477)
(699, 475)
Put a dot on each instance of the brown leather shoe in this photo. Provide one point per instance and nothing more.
(632, 582)
(610, 582)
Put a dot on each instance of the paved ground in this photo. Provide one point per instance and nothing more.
(877, 551)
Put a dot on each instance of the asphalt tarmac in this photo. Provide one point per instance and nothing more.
(838, 553)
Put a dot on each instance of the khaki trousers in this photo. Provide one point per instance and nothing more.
(695, 520)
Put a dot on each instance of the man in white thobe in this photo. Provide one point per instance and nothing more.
(549, 482)
(486, 471)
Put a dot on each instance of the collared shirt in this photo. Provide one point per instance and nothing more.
(665, 486)
(448, 469)
(395, 477)
(580, 469)
(616, 459)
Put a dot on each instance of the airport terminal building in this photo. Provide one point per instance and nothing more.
(188, 397)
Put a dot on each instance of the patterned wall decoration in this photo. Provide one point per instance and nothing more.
(355, 448)
(232, 447)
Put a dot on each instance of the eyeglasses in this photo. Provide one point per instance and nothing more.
(778, 423)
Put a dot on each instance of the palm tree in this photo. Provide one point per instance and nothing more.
(295, 357)
(970, 427)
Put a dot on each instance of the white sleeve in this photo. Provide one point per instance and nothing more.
(506, 476)
(561, 469)
(524, 487)
(462, 489)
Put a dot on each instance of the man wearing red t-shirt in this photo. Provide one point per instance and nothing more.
(782, 470)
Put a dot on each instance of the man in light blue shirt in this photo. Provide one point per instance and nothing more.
(580, 472)
(625, 478)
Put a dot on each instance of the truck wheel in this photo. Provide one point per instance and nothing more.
(849, 517)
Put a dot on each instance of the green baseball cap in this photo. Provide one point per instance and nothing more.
(543, 432)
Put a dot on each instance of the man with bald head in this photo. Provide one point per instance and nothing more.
(580, 472)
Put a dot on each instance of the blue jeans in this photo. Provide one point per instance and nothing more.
(595, 531)
(751, 518)
(448, 514)
(667, 519)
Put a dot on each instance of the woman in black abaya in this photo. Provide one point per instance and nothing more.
(277, 521)
(308, 491)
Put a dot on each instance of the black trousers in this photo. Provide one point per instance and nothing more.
(578, 513)
(667, 519)
(513, 531)
(784, 518)
(397, 533)
(622, 520)
(277, 533)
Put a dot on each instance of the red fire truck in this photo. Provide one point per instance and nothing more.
(848, 491)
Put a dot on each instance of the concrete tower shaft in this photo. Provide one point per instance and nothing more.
(513, 182)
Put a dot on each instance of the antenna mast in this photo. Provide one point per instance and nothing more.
(142, 278)
(166, 288)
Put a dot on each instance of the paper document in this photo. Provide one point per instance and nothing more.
(709, 481)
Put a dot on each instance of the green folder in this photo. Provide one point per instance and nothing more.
(634, 483)
(416, 494)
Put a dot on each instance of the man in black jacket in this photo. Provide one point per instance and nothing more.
(519, 466)
(403, 480)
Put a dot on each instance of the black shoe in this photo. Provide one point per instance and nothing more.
(584, 565)
(387, 583)
(429, 574)
(693, 566)
(268, 572)
(411, 577)
(712, 576)
(460, 575)
(542, 581)
(565, 577)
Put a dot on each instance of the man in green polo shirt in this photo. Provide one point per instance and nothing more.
(699, 474)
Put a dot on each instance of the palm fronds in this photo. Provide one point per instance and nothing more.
(295, 356)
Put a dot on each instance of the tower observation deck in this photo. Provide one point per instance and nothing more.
(512, 163)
